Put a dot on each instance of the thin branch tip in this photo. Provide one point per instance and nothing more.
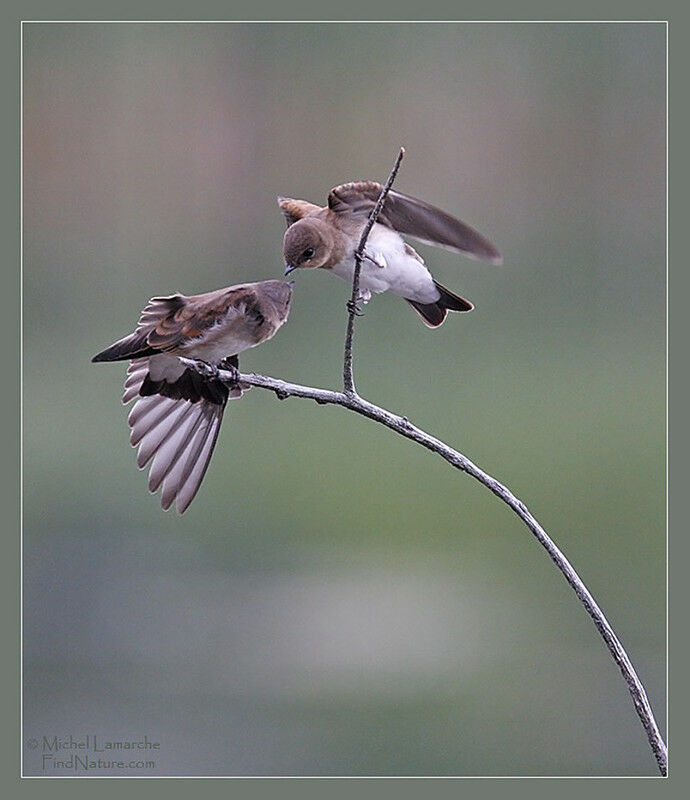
(353, 304)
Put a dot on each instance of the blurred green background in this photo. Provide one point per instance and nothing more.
(338, 601)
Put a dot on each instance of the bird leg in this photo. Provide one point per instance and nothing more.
(209, 371)
(232, 364)
(377, 259)
(212, 372)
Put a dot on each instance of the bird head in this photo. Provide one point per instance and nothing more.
(307, 244)
(278, 294)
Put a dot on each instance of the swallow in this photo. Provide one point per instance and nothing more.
(326, 238)
(178, 411)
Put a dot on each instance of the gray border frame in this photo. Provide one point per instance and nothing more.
(11, 223)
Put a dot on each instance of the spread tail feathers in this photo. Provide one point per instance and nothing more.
(175, 429)
(433, 314)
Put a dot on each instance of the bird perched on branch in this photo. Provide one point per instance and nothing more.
(326, 238)
(178, 411)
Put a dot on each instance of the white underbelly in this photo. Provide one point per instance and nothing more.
(401, 272)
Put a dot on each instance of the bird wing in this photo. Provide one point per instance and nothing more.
(413, 217)
(294, 210)
(168, 322)
(177, 430)
(179, 320)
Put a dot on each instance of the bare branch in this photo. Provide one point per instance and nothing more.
(402, 426)
(352, 306)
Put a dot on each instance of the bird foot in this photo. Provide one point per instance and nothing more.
(354, 308)
(209, 371)
(228, 366)
(212, 372)
(377, 259)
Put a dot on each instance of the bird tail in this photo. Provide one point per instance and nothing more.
(176, 433)
(433, 314)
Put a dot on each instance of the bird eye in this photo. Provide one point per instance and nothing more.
(308, 253)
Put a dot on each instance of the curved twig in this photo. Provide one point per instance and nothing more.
(349, 399)
(401, 425)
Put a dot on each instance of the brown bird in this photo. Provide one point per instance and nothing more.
(326, 238)
(178, 412)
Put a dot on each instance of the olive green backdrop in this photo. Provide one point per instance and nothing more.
(337, 601)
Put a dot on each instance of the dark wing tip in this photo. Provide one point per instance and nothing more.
(495, 258)
(484, 251)
(479, 251)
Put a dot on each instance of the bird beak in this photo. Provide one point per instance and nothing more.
(289, 268)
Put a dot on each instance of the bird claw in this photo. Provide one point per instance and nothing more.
(212, 372)
(354, 308)
(377, 259)
(209, 371)
(234, 373)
